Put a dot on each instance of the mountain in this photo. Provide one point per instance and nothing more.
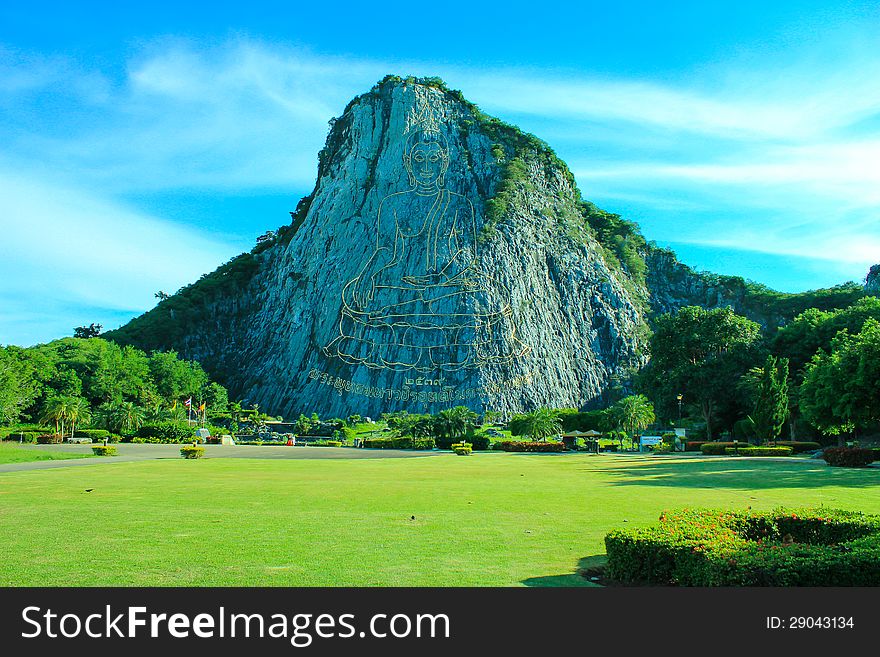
(443, 258)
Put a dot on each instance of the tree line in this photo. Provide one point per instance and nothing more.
(818, 374)
(80, 382)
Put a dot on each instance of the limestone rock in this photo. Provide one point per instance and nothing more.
(441, 260)
(872, 280)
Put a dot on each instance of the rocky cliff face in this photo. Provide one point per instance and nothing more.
(441, 260)
(872, 280)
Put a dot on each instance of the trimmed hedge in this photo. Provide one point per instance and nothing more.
(167, 432)
(104, 450)
(848, 457)
(759, 451)
(50, 439)
(423, 443)
(811, 547)
(325, 443)
(94, 434)
(720, 448)
(516, 446)
(462, 449)
(694, 445)
(192, 452)
(797, 446)
(378, 443)
(23, 436)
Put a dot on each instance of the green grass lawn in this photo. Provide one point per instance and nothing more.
(488, 519)
(12, 453)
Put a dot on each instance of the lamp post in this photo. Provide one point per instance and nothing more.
(679, 397)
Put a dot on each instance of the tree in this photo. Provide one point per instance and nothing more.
(18, 387)
(454, 423)
(839, 391)
(176, 378)
(162, 296)
(771, 399)
(633, 413)
(122, 417)
(537, 424)
(91, 331)
(215, 397)
(414, 424)
(700, 354)
(57, 410)
(78, 412)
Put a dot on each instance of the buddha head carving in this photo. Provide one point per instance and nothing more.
(426, 158)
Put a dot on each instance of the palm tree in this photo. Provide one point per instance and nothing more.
(78, 411)
(57, 410)
(454, 423)
(157, 414)
(543, 422)
(120, 417)
(633, 413)
(128, 417)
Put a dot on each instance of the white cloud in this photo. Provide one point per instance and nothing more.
(788, 154)
(63, 246)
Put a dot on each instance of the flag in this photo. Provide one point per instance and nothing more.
(202, 407)
(188, 403)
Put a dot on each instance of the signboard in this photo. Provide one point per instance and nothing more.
(650, 440)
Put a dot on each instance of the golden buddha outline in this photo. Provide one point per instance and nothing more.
(438, 315)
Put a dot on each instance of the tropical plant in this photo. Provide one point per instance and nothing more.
(122, 417)
(633, 413)
(57, 410)
(542, 423)
(78, 412)
(453, 423)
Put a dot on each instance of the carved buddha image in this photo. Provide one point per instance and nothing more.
(419, 303)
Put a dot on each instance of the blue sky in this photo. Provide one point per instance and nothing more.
(142, 146)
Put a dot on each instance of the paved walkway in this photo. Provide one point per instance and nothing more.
(138, 452)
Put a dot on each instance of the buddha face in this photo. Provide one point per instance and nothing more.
(426, 163)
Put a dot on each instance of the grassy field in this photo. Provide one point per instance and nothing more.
(489, 519)
(12, 453)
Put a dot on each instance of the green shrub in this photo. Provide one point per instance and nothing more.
(462, 449)
(192, 452)
(848, 457)
(402, 442)
(104, 450)
(759, 451)
(517, 446)
(480, 443)
(812, 547)
(378, 443)
(324, 443)
(720, 448)
(167, 432)
(50, 439)
(94, 434)
(423, 443)
(345, 434)
(23, 436)
(694, 445)
(797, 446)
